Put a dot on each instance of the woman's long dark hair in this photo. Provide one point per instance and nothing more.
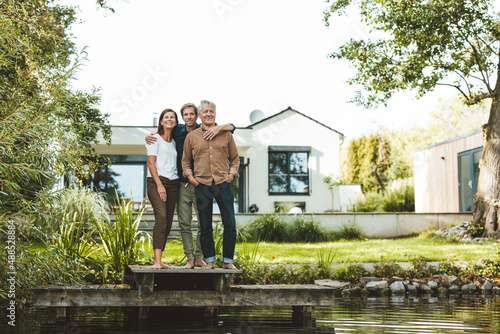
(160, 126)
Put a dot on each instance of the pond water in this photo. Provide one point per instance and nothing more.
(370, 315)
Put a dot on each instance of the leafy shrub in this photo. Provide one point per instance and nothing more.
(387, 269)
(281, 274)
(33, 268)
(348, 232)
(420, 268)
(372, 202)
(449, 268)
(489, 269)
(399, 197)
(269, 227)
(307, 230)
(351, 272)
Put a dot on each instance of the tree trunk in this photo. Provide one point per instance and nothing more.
(487, 197)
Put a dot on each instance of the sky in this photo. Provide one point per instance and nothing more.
(243, 55)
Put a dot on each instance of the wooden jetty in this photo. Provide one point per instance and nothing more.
(209, 288)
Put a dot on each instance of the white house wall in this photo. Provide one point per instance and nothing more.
(288, 128)
(293, 129)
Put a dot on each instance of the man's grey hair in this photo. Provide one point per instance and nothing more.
(202, 102)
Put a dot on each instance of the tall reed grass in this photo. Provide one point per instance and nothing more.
(122, 241)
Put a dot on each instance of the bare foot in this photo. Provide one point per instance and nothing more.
(161, 266)
(199, 263)
(209, 265)
(229, 266)
(190, 265)
(156, 266)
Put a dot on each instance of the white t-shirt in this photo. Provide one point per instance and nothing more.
(166, 157)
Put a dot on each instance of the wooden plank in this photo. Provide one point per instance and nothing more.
(178, 270)
(237, 296)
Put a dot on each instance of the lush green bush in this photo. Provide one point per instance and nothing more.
(387, 269)
(269, 227)
(348, 232)
(307, 230)
(372, 202)
(399, 197)
(351, 272)
(36, 268)
(420, 268)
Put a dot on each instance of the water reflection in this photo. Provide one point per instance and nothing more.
(372, 315)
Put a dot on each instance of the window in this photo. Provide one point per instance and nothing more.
(289, 170)
(468, 170)
(127, 176)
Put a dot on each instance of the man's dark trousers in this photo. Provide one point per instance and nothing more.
(223, 195)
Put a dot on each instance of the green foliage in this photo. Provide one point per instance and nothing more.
(33, 268)
(122, 241)
(424, 44)
(218, 235)
(475, 230)
(88, 205)
(420, 268)
(333, 182)
(489, 269)
(351, 272)
(73, 238)
(367, 163)
(269, 227)
(387, 270)
(372, 202)
(326, 258)
(349, 232)
(307, 230)
(281, 274)
(250, 253)
(46, 128)
(399, 197)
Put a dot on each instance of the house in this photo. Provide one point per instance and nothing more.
(446, 174)
(284, 159)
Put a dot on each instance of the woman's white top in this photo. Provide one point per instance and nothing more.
(166, 157)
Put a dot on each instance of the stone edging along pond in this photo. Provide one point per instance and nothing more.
(438, 285)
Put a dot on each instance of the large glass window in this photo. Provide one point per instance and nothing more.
(288, 172)
(126, 176)
(468, 168)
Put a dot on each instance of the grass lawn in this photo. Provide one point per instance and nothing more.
(397, 250)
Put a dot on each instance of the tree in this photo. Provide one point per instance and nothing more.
(428, 43)
(451, 119)
(333, 182)
(367, 163)
(46, 128)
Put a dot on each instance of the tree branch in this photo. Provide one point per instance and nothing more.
(480, 97)
(488, 45)
(478, 62)
(457, 87)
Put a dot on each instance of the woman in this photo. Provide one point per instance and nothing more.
(163, 183)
